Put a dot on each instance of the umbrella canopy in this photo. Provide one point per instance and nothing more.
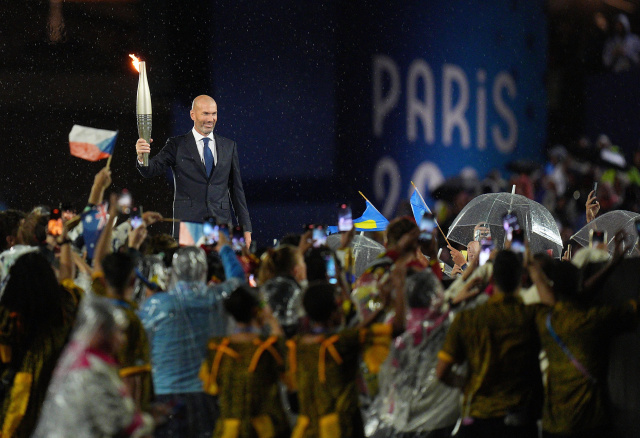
(539, 226)
(612, 222)
(365, 250)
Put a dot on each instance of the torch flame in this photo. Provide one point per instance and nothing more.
(135, 61)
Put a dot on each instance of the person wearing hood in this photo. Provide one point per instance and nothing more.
(282, 278)
(622, 50)
(179, 323)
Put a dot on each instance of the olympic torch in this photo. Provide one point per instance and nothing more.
(143, 105)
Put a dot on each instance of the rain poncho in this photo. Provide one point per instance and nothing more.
(87, 397)
(180, 321)
(284, 296)
(411, 398)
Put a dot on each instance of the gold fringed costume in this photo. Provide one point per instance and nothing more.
(324, 374)
(28, 369)
(245, 376)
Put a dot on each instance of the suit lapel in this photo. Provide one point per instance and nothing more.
(219, 150)
(193, 150)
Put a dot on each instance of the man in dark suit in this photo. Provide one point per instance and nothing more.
(206, 172)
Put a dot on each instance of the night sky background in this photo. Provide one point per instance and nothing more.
(275, 69)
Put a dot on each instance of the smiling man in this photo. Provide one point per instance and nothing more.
(206, 172)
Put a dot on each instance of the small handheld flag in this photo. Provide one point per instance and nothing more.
(93, 221)
(90, 143)
(371, 219)
(420, 207)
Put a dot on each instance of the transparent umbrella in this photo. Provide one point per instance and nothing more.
(365, 250)
(539, 226)
(612, 222)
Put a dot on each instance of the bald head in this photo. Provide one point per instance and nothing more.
(204, 113)
(203, 98)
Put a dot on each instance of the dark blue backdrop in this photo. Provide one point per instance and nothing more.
(430, 88)
(328, 99)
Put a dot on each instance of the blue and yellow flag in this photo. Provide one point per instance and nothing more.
(418, 206)
(371, 220)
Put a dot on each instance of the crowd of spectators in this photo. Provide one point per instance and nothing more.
(148, 338)
(562, 184)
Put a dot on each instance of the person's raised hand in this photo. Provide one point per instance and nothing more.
(618, 251)
(471, 288)
(457, 256)
(151, 217)
(408, 243)
(222, 241)
(430, 249)
(247, 239)
(113, 206)
(592, 206)
(306, 242)
(347, 238)
(471, 267)
(137, 236)
(102, 180)
(456, 270)
(142, 147)
(566, 257)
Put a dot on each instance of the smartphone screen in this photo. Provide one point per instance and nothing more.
(597, 237)
(427, 227)
(210, 231)
(517, 241)
(136, 217)
(345, 220)
(486, 246)
(330, 264)
(237, 239)
(319, 236)
(481, 231)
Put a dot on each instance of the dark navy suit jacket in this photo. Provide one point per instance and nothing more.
(196, 195)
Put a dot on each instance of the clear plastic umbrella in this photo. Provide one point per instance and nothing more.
(365, 250)
(539, 226)
(612, 222)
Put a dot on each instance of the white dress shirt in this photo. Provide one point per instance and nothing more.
(200, 145)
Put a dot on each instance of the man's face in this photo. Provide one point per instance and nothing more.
(204, 116)
(473, 249)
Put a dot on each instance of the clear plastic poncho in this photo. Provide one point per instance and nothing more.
(180, 322)
(87, 397)
(411, 398)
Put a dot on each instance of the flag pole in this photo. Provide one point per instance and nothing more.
(365, 198)
(109, 161)
(425, 204)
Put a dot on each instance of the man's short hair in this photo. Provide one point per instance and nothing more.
(117, 268)
(319, 301)
(242, 304)
(507, 271)
(566, 280)
(398, 228)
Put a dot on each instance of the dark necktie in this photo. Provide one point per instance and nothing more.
(208, 156)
